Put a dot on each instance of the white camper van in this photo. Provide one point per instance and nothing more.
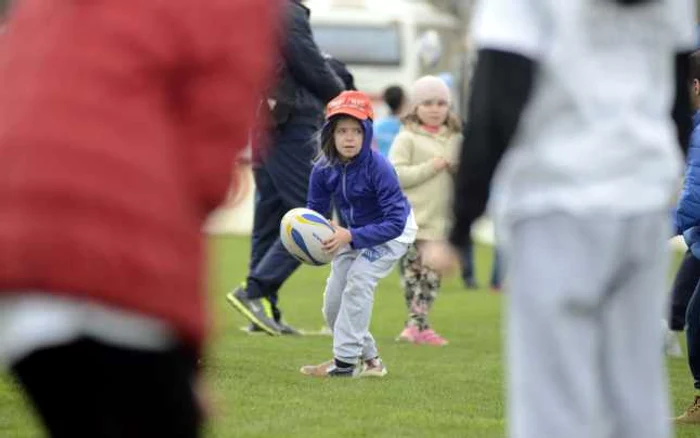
(387, 42)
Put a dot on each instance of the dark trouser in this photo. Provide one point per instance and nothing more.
(89, 389)
(685, 310)
(692, 335)
(468, 271)
(683, 286)
(282, 182)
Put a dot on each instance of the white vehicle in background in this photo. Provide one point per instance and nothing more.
(387, 42)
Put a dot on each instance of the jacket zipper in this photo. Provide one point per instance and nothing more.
(345, 194)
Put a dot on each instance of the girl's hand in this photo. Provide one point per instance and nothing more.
(441, 256)
(341, 237)
(440, 163)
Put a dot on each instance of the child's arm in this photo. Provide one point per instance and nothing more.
(318, 198)
(409, 174)
(394, 209)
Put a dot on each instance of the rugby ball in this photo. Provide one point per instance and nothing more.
(302, 232)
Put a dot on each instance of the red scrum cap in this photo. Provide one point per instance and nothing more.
(351, 103)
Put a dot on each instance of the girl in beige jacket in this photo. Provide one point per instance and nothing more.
(424, 155)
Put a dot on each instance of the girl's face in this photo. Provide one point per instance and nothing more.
(348, 136)
(433, 112)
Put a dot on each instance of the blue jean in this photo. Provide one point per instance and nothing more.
(468, 270)
(282, 181)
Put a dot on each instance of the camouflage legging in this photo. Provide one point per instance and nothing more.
(420, 285)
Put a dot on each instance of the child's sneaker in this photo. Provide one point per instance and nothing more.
(409, 334)
(373, 368)
(429, 337)
(691, 415)
(320, 370)
(328, 369)
(336, 371)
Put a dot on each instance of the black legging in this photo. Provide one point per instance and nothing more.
(89, 389)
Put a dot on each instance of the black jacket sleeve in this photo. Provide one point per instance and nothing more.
(304, 60)
(501, 88)
(681, 106)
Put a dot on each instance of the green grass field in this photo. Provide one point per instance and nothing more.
(455, 391)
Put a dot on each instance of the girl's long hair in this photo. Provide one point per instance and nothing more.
(327, 153)
(452, 121)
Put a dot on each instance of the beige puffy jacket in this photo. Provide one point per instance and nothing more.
(428, 190)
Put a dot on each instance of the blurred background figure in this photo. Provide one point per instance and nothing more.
(685, 298)
(578, 183)
(468, 269)
(119, 123)
(387, 127)
(424, 155)
(282, 162)
(685, 217)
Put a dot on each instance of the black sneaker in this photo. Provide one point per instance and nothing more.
(336, 371)
(255, 310)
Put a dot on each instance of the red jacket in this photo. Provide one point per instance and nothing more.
(119, 124)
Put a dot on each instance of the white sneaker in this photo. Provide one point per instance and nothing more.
(373, 368)
(672, 345)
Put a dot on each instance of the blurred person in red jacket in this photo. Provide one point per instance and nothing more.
(119, 124)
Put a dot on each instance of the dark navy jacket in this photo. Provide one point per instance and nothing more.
(306, 80)
(366, 193)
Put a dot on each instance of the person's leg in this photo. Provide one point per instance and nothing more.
(332, 297)
(497, 270)
(150, 394)
(693, 337)
(692, 333)
(411, 281)
(634, 383)
(426, 298)
(268, 213)
(422, 285)
(684, 284)
(114, 392)
(288, 164)
(468, 271)
(47, 375)
(351, 337)
(558, 269)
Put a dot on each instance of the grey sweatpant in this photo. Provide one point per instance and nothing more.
(349, 296)
(584, 346)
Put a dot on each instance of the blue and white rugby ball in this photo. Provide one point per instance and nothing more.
(302, 232)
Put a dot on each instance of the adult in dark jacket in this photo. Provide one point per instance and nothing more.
(306, 83)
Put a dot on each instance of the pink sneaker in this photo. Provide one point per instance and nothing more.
(429, 337)
(409, 334)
